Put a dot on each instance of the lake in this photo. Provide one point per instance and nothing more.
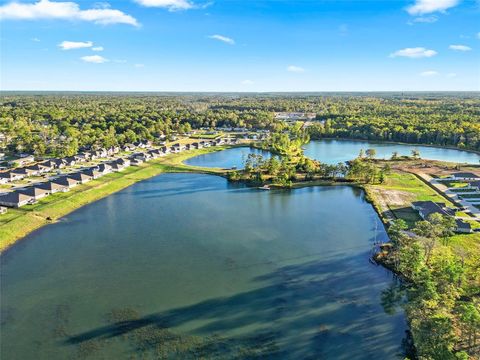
(185, 265)
(335, 151)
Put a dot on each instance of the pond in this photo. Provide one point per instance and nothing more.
(226, 159)
(184, 266)
(335, 151)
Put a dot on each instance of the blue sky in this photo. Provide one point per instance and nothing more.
(240, 45)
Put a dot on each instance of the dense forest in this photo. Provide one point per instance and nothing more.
(60, 124)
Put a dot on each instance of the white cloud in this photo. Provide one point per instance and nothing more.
(429, 73)
(295, 69)
(69, 45)
(97, 59)
(97, 48)
(414, 53)
(460, 47)
(171, 5)
(478, 35)
(425, 19)
(247, 82)
(36, 39)
(451, 75)
(421, 7)
(139, 66)
(225, 39)
(66, 10)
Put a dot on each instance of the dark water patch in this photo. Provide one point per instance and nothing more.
(210, 270)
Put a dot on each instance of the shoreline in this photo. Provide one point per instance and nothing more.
(449, 147)
(49, 210)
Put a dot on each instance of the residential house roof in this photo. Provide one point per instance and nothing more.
(14, 197)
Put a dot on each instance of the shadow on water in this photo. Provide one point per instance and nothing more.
(312, 310)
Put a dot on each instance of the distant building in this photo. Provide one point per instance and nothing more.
(294, 116)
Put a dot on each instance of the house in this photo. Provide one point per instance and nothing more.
(35, 192)
(104, 168)
(113, 150)
(22, 160)
(52, 187)
(82, 178)
(164, 150)
(141, 156)
(463, 227)
(39, 168)
(60, 163)
(427, 208)
(70, 160)
(93, 172)
(49, 164)
(464, 176)
(8, 176)
(3, 210)
(15, 199)
(136, 160)
(153, 153)
(81, 157)
(66, 181)
(475, 185)
(123, 162)
(128, 147)
(25, 172)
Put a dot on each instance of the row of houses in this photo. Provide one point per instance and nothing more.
(63, 183)
(45, 166)
(427, 208)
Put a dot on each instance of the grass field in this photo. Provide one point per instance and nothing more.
(17, 223)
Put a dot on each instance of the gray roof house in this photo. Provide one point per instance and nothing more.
(104, 168)
(40, 168)
(463, 227)
(10, 176)
(52, 187)
(66, 181)
(25, 172)
(35, 192)
(427, 208)
(82, 178)
(93, 172)
(465, 176)
(14, 199)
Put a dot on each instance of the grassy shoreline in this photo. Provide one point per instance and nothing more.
(18, 223)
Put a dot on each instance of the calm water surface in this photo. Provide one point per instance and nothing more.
(226, 159)
(183, 266)
(335, 151)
